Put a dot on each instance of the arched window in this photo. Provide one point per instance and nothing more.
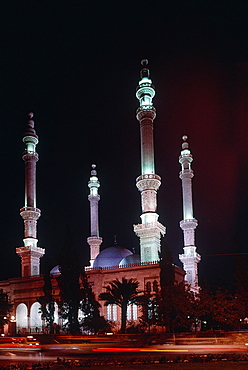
(21, 317)
(111, 312)
(132, 312)
(35, 318)
(148, 287)
(155, 286)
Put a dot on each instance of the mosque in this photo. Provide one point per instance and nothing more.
(115, 261)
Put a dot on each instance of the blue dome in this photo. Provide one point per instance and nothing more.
(111, 256)
(133, 258)
(55, 270)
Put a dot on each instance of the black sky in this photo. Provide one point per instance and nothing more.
(76, 65)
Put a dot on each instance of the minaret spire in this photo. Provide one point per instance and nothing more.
(30, 254)
(94, 240)
(190, 258)
(148, 183)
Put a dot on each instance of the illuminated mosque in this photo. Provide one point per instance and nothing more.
(115, 261)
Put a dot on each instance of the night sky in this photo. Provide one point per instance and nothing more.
(76, 65)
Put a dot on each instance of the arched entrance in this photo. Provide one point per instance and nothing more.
(35, 318)
(21, 318)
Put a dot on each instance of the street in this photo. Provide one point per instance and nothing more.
(81, 352)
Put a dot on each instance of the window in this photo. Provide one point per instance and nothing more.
(148, 286)
(132, 312)
(155, 286)
(111, 312)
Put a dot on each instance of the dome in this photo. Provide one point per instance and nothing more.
(111, 256)
(55, 270)
(132, 258)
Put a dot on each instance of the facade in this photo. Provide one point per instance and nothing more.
(115, 261)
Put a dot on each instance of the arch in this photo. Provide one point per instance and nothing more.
(35, 317)
(132, 312)
(148, 287)
(111, 312)
(21, 317)
(155, 286)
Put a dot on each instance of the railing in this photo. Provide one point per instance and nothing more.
(123, 266)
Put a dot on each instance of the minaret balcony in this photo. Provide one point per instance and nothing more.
(149, 229)
(188, 224)
(148, 182)
(186, 174)
(30, 156)
(30, 212)
(146, 111)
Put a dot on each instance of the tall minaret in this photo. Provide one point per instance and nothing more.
(190, 258)
(150, 230)
(30, 254)
(94, 240)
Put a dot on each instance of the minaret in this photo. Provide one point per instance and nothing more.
(30, 254)
(190, 258)
(94, 240)
(150, 230)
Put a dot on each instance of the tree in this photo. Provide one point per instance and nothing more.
(47, 303)
(227, 310)
(5, 309)
(175, 301)
(122, 293)
(167, 272)
(91, 318)
(76, 294)
(218, 309)
(150, 310)
(69, 285)
(241, 280)
(176, 307)
(203, 306)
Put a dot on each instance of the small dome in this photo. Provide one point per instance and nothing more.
(111, 256)
(55, 270)
(133, 258)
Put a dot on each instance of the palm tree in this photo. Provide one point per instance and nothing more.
(47, 303)
(122, 293)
